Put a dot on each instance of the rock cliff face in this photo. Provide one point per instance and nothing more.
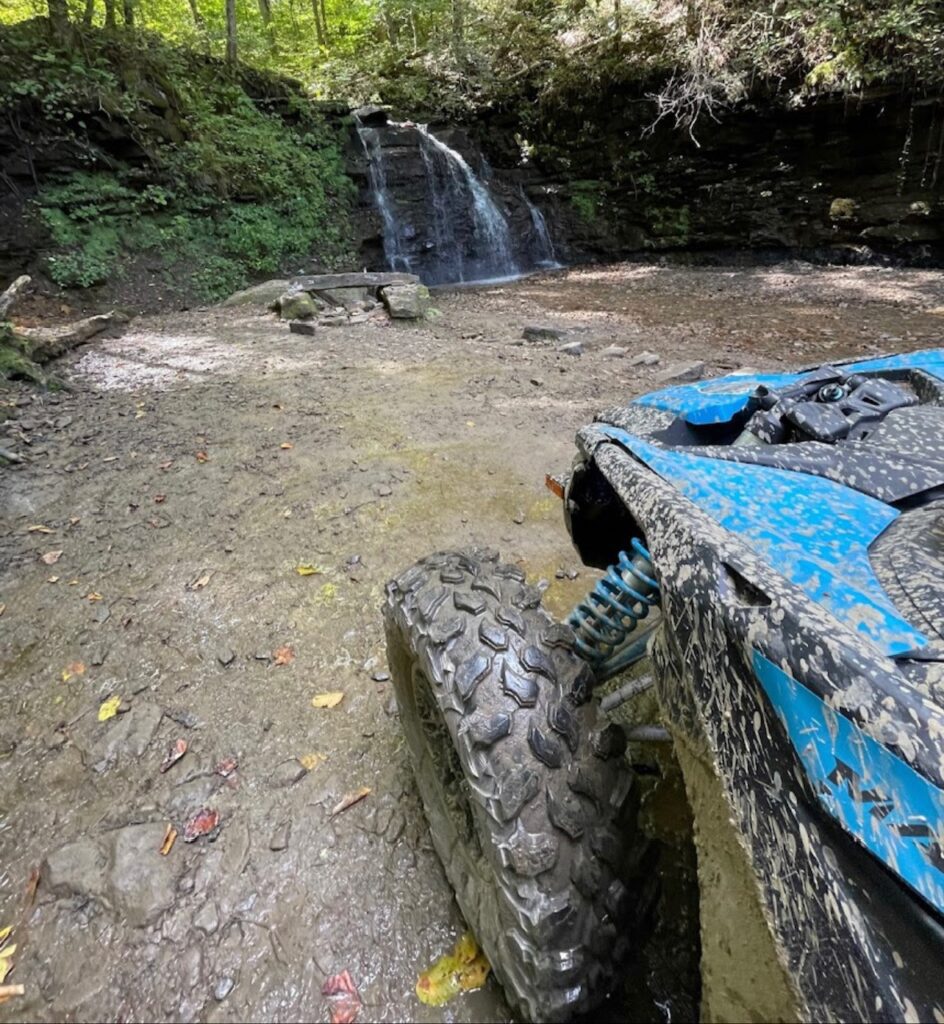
(836, 179)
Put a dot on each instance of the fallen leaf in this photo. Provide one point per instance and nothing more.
(32, 884)
(111, 458)
(170, 837)
(73, 583)
(75, 520)
(39, 528)
(202, 457)
(462, 970)
(6, 954)
(139, 414)
(177, 750)
(109, 708)
(283, 655)
(306, 569)
(226, 767)
(3, 608)
(327, 700)
(5, 933)
(349, 799)
(52, 579)
(205, 821)
(9, 991)
(159, 499)
(200, 582)
(51, 557)
(166, 465)
(74, 668)
(311, 761)
(343, 998)
(286, 445)
(93, 596)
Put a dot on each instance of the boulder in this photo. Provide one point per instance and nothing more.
(301, 327)
(349, 298)
(265, 294)
(682, 373)
(572, 348)
(405, 301)
(644, 359)
(321, 282)
(297, 306)
(371, 116)
(540, 332)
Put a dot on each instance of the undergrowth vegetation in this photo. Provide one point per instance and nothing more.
(206, 172)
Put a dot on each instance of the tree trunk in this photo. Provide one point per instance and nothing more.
(231, 51)
(458, 30)
(59, 17)
(198, 18)
(265, 12)
(324, 21)
(89, 14)
(127, 8)
(109, 13)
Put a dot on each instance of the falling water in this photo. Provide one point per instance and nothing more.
(492, 237)
(440, 218)
(546, 256)
(394, 254)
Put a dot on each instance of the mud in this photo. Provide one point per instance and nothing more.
(185, 472)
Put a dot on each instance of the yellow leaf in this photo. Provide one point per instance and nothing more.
(73, 583)
(462, 970)
(311, 761)
(306, 569)
(93, 596)
(170, 837)
(5, 933)
(5, 966)
(74, 668)
(327, 700)
(286, 445)
(109, 708)
(39, 528)
(7, 951)
(52, 579)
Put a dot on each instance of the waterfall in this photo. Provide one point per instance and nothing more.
(546, 256)
(394, 254)
(491, 234)
(441, 219)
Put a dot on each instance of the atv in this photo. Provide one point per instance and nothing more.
(772, 548)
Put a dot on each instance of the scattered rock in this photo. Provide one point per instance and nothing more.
(99, 654)
(682, 373)
(644, 359)
(223, 988)
(384, 491)
(287, 773)
(265, 294)
(371, 116)
(518, 518)
(537, 382)
(301, 327)
(613, 352)
(405, 301)
(226, 657)
(120, 869)
(127, 737)
(207, 918)
(280, 837)
(572, 348)
(538, 332)
(297, 306)
(380, 676)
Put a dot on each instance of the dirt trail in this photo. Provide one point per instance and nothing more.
(187, 471)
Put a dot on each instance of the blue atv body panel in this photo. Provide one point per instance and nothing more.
(853, 667)
(719, 400)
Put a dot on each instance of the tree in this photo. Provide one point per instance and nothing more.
(128, 11)
(109, 13)
(231, 31)
(59, 16)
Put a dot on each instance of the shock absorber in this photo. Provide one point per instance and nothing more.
(606, 619)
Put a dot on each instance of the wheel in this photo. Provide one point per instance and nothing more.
(529, 804)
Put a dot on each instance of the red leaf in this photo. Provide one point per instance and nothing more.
(227, 766)
(343, 997)
(175, 753)
(202, 823)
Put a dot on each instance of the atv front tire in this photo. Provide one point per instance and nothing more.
(529, 803)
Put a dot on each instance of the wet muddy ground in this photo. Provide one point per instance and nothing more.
(185, 473)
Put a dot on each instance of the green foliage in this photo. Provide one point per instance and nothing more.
(238, 174)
